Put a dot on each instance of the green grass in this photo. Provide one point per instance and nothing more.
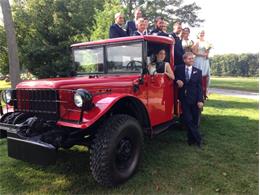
(4, 85)
(228, 164)
(238, 83)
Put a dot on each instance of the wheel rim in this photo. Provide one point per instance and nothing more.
(124, 153)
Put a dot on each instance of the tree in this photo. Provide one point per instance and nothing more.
(14, 68)
(3, 52)
(171, 10)
(104, 18)
(46, 30)
(235, 65)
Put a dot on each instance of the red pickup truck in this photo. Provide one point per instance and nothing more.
(108, 104)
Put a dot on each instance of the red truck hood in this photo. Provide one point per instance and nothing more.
(109, 81)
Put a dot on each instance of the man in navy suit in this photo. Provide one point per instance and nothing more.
(178, 49)
(158, 30)
(141, 28)
(116, 30)
(131, 25)
(189, 81)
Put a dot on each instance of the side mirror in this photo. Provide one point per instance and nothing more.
(145, 71)
(141, 81)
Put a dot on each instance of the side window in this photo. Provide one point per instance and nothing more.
(89, 60)
(125, 58)
(154, 47)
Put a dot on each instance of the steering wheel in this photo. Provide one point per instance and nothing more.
(132, 65)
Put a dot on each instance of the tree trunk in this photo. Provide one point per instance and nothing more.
(14, 68)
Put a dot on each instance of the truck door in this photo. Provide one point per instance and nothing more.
(160, 90)
(160, 98)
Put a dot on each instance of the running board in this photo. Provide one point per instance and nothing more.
(163, 127)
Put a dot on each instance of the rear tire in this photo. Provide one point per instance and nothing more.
(116, 150)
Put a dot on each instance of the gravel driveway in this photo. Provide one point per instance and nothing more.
(236, 93)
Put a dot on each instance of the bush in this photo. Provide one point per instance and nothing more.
(235, 65)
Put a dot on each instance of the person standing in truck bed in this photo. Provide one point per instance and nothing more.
(116, 30)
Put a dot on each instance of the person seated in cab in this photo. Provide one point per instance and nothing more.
(160, 66)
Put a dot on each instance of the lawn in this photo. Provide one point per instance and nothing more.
(238, 83)
(228, 163)
(4, 85)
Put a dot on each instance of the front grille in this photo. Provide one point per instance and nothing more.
(44, 102)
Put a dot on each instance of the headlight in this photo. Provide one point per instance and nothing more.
(7, 96)
(83, 97)
(78, 101)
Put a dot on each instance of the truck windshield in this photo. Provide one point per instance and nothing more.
(121, 58)
(124, 58)
(89, 60)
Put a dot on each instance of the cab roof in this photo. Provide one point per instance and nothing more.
(159, 39)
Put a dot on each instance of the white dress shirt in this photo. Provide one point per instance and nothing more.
(189, 70)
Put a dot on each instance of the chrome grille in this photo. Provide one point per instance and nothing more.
(39, 101)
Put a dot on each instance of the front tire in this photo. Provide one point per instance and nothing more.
(116, 150)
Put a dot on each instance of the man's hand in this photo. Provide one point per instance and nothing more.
(180, 83)
(173, 41)
(200, 105)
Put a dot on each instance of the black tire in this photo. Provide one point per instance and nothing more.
(116, 150)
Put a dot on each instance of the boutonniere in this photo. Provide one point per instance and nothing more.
(194, 72)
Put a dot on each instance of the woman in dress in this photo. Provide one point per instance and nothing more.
(201, 50)
(159, 66)
(185, 41)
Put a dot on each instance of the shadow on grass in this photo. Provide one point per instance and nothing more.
(167, 157)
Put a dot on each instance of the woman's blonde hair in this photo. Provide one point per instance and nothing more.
(198, 35)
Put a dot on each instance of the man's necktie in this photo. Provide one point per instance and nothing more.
(187, 76)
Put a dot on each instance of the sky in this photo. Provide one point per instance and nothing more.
(231, 26)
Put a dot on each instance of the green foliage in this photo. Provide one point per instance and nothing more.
(235, 65)
(4, 85)
(47, 28)
(3, 52)
(171, 10)
(104, 18)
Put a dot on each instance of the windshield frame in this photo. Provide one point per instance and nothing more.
(105, 68)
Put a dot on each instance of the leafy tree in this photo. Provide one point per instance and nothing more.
(235, 65)
(13, 60)
(171, 10)
(47, 28)
(3, 52)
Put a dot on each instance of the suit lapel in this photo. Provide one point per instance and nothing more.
(183, 73)
(191, 74)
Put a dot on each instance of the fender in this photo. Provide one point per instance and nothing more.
(103, 104)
